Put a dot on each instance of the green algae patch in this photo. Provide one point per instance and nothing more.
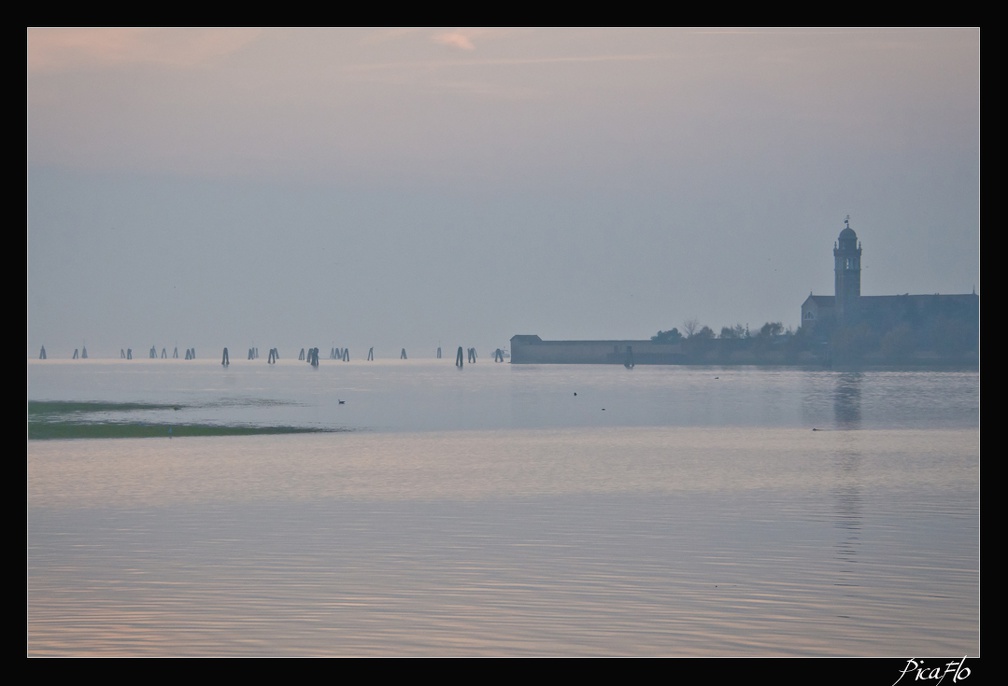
(49, 420)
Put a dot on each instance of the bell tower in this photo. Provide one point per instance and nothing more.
(847, 273)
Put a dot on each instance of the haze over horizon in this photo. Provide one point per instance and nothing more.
(420, 187)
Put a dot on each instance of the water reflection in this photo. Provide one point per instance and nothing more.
(729, 527)
(848, 516)
(847, 400)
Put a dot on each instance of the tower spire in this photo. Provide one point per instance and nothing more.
(847, 271)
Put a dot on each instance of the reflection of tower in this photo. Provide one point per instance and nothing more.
(847, 272)
(847, 401)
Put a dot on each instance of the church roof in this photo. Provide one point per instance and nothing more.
(821, 300)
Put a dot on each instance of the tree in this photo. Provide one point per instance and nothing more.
(771, 329)
(700, 342)
(737, 331)
(670, 336)
(691, 326)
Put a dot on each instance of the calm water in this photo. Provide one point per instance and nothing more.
(508, 510)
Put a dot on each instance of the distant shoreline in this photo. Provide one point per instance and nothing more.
(777, 351)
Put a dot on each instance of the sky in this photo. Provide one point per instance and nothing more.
(416, 187)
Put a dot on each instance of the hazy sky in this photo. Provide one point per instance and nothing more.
(408, 187)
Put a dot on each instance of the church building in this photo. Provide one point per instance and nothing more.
(929, 317)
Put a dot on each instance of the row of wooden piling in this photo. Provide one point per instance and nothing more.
(310, 355)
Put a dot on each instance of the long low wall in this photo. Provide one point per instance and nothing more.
(530, 349)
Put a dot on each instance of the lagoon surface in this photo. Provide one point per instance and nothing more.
(411, 508)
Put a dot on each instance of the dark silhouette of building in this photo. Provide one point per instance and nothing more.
(847, 272)
(845, 329)
(939, 323)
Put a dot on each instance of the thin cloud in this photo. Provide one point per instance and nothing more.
(507, 61)
(61, 49)
(455, 39)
